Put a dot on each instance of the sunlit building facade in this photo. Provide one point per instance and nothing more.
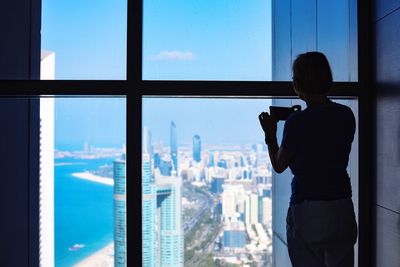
(169, 222)
(149, 206)
(174, 146)
(120, 213)
(196, 148)
(47, 121)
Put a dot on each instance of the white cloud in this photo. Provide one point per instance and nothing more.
(173, 55)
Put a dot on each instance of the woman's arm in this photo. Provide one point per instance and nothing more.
(280, 157)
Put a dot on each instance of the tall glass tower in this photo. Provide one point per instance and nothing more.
(147, 146)
(196, 148)
(149, 207)
(174, 146)
(120, 213)
(169, 222)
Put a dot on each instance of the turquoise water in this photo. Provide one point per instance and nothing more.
(83, 212)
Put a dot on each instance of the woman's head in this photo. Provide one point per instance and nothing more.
(312, 74)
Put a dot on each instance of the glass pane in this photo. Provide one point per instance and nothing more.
(206, 183)
(207, 40)
(83, 181)
(85, 39)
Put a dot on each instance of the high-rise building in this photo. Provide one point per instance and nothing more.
(253, 208)
(211, 162)
(222, 164)
(228, 202)
(234, 235)
(247, 210)
(216, 184)
(147, 146)
(259, 150)
(149, 207)
(166, 167)
(266, 211)
(120, 213)
(170, 234)
(174, 146)
(47, 72)
(260, 208)
(157, 160)
(196, 148)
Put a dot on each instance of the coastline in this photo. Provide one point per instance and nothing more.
(102, 258)
(93, 178)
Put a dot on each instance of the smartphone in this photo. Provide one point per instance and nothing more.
(282, 113)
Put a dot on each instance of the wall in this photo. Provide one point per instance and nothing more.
(20, 35)
(19, 135)
(387, 133)
(330, 27)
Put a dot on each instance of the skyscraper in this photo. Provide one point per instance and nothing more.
(174, 146)
(47, 71)
(234, 235)
(169, 222)
(216, 184)
(211, 162)
(196, 148)
(149, 206)
(228, 202)
(266, 211)
(165, 167)
(253, 208)
(259, 150)
(120, 213)
(147, 146)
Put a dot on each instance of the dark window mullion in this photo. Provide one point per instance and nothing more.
(133, 135)
(61, 87)
(211, 88)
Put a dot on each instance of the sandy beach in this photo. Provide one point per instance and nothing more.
(102, 258)
(94, 178)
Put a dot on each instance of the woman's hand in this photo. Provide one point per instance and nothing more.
(268, 125)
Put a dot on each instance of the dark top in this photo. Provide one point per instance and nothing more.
(320, 139)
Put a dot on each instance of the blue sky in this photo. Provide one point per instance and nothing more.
(217, 121)
(207, 39)
(99, 121)
(88, 37)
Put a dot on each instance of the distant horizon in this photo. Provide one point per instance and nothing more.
(79, 147)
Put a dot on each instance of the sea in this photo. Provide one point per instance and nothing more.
(83, 211)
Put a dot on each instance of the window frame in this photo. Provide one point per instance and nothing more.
(134, 88)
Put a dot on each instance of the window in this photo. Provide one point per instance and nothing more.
(83, 181)
(166, 54)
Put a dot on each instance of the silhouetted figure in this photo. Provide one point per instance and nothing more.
(316, 143)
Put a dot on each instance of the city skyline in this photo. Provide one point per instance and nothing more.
(211, 204)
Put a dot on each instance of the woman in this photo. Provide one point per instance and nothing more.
(316, 143)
